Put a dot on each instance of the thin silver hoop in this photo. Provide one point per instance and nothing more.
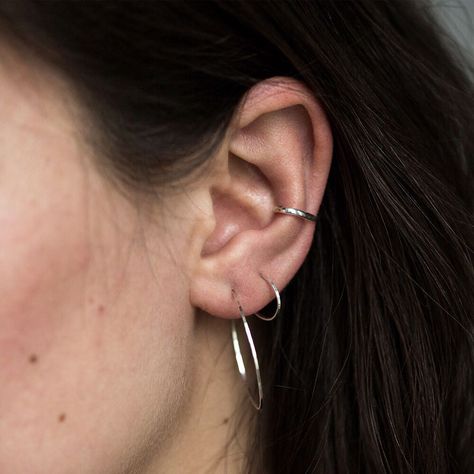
(277, 296)
(295, 212)
(240, 359)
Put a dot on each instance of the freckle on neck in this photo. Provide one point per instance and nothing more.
(33, 359)
(101, 309)
(61, 417)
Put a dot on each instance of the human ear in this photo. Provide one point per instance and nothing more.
(278, 152)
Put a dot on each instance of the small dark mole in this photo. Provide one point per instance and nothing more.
(101, 308)
(61, 417)
(226, 420)
(33, 359)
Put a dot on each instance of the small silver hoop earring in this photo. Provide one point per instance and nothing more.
(277, 296)
(295, 212)
(240, 360)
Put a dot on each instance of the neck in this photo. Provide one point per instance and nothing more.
(213, 431)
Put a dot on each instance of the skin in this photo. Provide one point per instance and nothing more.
(115, 349)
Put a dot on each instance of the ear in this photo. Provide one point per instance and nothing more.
(277, 151)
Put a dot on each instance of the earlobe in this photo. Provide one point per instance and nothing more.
(278, 153)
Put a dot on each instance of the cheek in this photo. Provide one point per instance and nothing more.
(43, 259)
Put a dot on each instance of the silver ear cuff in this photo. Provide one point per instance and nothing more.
(257, 401)
(292, 211)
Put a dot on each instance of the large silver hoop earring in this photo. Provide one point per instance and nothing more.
(277, 296)
(292, 211)
(240, 360)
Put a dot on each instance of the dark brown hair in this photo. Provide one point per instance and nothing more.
(370, 367)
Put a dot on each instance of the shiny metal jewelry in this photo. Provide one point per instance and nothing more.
(240, 360)
(277, 295)
(295, 212)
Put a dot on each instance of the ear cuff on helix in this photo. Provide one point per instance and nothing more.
(257, 401)
(295, 212)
